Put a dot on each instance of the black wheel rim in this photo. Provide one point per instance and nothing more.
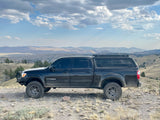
(34, 91)
(112, 92)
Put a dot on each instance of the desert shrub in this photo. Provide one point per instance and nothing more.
(24, 61)
(39, 63)
(10, 74)
(8, 60)
(26, 114)
(143, 65)
(143, 74)
(46, 63)
(20, 68)
(151, 77)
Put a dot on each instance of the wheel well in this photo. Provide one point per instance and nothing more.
(34, 79)
(111, 80)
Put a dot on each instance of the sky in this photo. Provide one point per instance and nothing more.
(80, 23)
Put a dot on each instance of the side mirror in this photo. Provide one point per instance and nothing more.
(52, 68)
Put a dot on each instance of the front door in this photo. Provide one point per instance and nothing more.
(59, 75)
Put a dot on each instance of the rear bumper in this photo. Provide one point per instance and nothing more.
(133, 83)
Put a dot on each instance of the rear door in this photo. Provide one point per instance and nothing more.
(81, 74)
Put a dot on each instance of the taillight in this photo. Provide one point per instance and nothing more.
(138, 74)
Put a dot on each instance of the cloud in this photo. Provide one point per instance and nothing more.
(123, 4)
(148, 26)
(137, 18)
(8, 37)
(99, 28)
(17, 38)
(153, 36)
(15, 10)
(18, 5)
(14, 16)
(42, 21)
(74, 14)
(77, 14)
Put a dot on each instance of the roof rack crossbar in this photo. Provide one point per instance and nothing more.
(112, 55)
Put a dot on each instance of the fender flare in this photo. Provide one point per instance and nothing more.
(35, 78)
(112, 77)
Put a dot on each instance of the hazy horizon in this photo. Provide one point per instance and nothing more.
(73, 47)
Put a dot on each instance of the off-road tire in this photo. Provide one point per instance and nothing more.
(35, 90)
(46, 89)
(112, 91)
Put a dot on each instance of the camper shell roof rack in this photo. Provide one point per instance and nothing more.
(111, 55)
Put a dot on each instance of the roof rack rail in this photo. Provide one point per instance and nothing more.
(111, 55)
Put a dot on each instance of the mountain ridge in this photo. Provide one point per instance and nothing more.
(68, 50)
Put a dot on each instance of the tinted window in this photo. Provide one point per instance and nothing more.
(114, 62)
(82, 63)
(63, 63)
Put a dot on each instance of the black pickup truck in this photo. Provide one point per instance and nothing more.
(107, 72)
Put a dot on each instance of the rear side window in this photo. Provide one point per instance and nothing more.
(82, 63)
(114, 62)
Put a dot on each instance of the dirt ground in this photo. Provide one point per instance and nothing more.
(85, 104)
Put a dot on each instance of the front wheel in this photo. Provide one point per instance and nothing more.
(35, 90)
(112, 91)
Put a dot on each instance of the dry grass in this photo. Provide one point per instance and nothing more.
(149, 60)
(26, 114)
(152, 63)
(123, 115)
(151, 86)
(155, 116)
(8, 54)
(135, 104)
(12, 66)
(11, 83)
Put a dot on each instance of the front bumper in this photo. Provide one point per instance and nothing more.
(20, 80)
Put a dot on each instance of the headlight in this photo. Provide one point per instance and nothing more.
(24, 74)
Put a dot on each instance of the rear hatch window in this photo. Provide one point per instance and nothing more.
(114, 62)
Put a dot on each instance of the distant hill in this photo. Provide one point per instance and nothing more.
(149, 52)
(68, 50)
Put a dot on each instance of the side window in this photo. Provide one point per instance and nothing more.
(63, 63)
(82, 63)
(114, 62)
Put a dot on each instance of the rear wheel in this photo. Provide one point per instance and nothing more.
(112, 91)
(46, 89)
(35, 89)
